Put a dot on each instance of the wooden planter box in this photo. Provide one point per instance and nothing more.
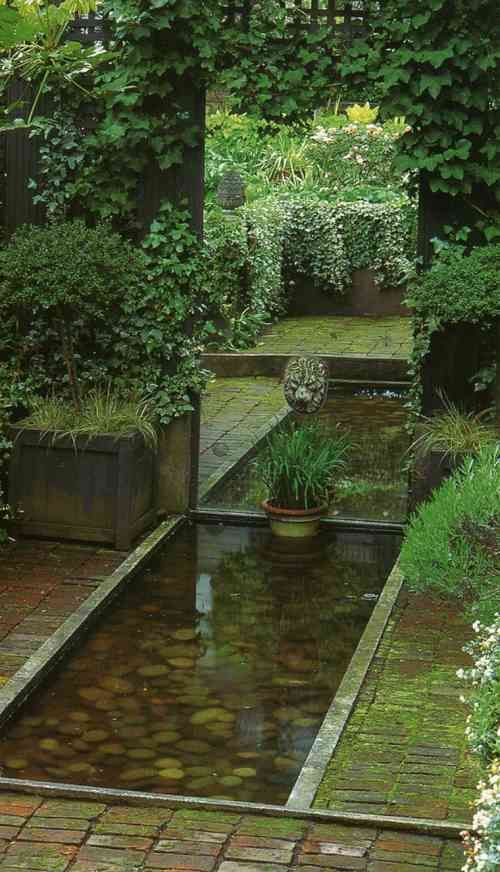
(364, 297)
(98, 490)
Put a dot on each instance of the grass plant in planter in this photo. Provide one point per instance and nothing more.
(299, 467)
(443, 442)
(86, 472)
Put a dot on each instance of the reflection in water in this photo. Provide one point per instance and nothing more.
(213, 673)
(374, 486)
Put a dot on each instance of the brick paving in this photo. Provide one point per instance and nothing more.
(38, 835)
(234, 412)
(404, 751)
(42, 584)
(342, 336)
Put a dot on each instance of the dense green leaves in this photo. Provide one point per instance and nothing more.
(437, 62)
(450, 543)
(118, 314)
(459, 287)
(279, 69)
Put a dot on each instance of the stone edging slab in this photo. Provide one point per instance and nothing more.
(313, 770)
(422, 826)
(36, 668)
(243, 364)
(231, 466)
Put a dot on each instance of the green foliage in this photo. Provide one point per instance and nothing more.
(82, 306)
(60, 157)
(101, 412)
(279, 69)
(33, 36)
(484, 676)
(233, 143)
(313, 245)
(459, 287)
(284, 158)
(437, 63)
(451, 545)
(300, 464)
(364, 114)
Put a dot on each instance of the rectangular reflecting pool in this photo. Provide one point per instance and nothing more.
(374, 486)
(211, 675)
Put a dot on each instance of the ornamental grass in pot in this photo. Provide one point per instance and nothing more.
(299, 467)
(443, 442)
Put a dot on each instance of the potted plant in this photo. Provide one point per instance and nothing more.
(299, 466)
(443, 441)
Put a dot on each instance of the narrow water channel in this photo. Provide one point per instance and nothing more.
(212, 673)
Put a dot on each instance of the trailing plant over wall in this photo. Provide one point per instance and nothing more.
(243, 268)
(314, 244)
(437, 62)
(326, 241)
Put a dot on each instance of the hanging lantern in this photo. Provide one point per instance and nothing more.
(231, 191)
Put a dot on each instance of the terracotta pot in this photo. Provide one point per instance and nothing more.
(294, 523)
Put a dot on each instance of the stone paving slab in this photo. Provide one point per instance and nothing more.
(234, 413)
(342, 336)
(222, 842)
(404, 750)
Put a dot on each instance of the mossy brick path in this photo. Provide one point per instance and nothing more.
(404, 750)
(42, 584)
(39, 835)
(342, 336)
(234, 413)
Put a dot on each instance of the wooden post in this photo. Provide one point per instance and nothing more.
(178, 458)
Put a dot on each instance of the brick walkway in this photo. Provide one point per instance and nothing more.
(41, 584)
(60, 835)
(234, 412)
(342, 336)
(404, 751)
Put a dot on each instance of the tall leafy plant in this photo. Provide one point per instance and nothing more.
(33, 39)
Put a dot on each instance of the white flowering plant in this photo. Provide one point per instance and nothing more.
(482, 842)
(483, 725)
(357, 154)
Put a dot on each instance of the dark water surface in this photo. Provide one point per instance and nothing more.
(211, 675)
(374, 485)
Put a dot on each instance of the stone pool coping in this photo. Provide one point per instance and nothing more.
(324, 746)
(37, 667)
(52, 790)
